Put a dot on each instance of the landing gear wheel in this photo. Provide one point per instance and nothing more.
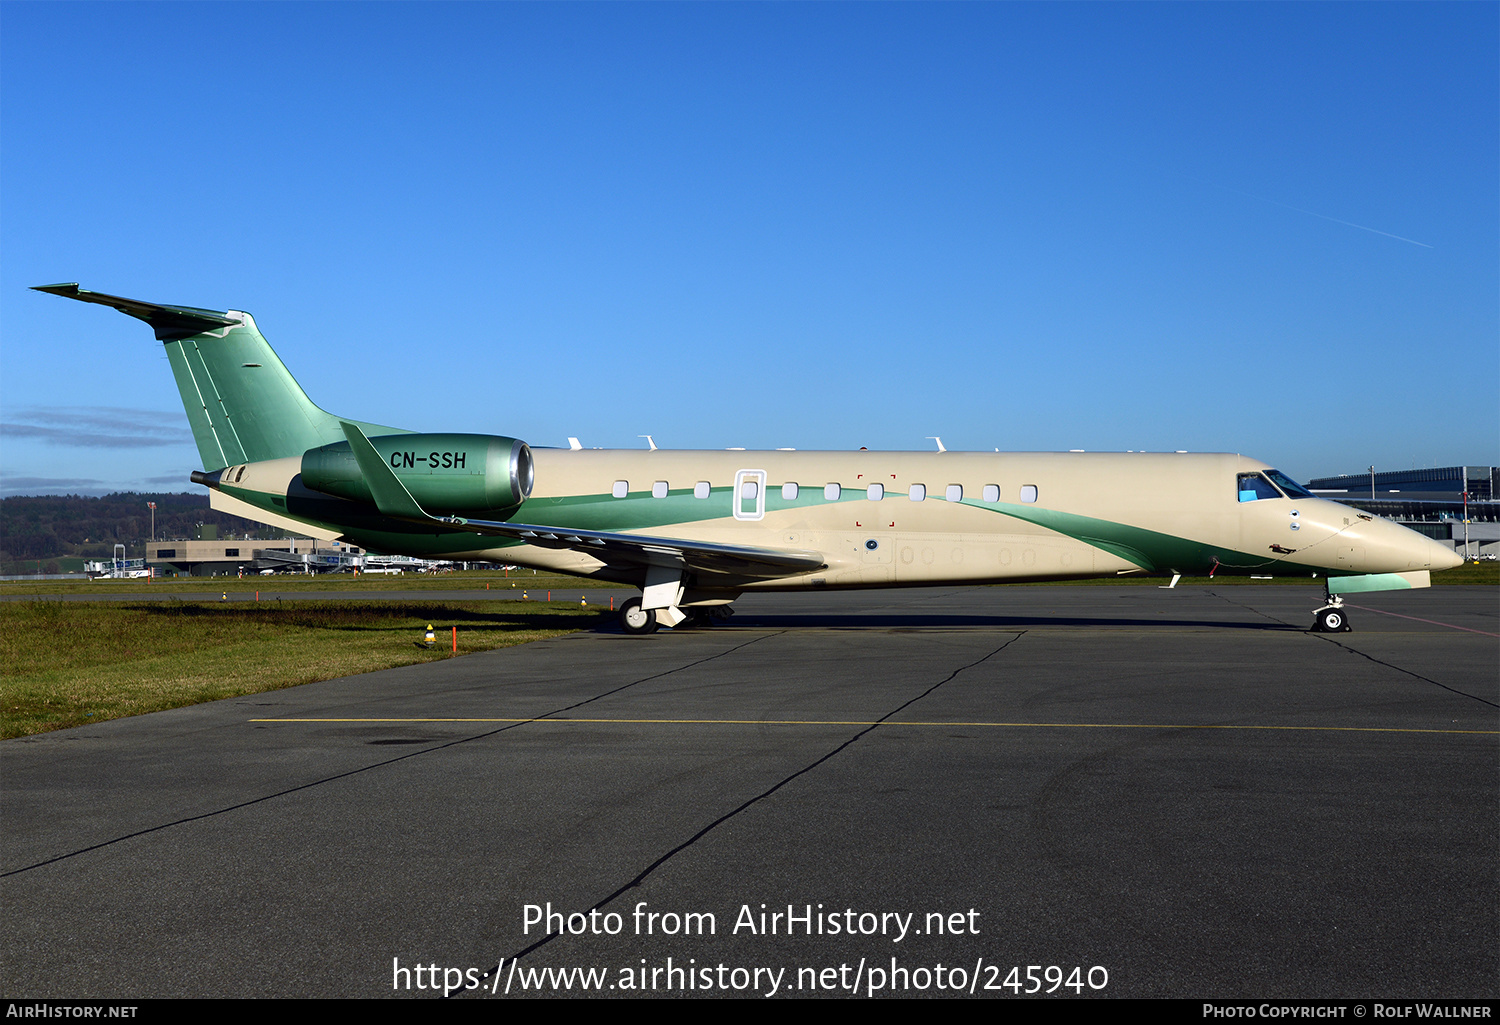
(1331, 621)
(636, 620)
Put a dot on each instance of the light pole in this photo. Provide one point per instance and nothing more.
(152, 507)
(1465, 472)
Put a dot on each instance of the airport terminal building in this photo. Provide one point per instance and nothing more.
(230, 557)
(1438, 502)
(212, 557)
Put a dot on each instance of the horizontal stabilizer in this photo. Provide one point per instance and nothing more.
(169, 322)
(391, 496)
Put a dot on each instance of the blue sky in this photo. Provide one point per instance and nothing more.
(1263, 228)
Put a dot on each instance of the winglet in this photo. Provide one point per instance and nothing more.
(391, 496)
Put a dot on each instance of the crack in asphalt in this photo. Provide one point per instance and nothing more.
(377, 765)
(716, 823)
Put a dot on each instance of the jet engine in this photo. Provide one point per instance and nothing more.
(445, 473)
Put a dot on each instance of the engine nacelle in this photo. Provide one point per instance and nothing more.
(445, 473)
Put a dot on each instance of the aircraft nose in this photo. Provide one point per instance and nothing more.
(1443, 557)
(1404, 549)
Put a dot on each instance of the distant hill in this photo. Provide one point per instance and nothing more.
(49, 527)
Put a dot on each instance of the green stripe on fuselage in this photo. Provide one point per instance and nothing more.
(1151, 550)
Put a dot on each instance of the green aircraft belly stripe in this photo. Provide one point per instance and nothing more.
(1149, 549)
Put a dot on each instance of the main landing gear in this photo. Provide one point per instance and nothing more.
(636, 620)
(1331, 618)
(640, 621)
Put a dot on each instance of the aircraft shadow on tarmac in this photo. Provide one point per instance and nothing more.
(929, 621)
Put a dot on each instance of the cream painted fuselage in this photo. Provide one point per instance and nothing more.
(880, 519)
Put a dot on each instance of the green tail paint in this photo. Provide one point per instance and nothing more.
(242, 403)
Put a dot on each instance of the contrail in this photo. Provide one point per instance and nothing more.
(1298, 209)
(1335, 220)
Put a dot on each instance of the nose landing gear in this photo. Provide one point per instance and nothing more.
(1331, 618)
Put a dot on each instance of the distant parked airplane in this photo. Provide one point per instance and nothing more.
(694, 530)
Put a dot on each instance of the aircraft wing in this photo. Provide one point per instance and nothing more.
(638, 549)
(394, 500)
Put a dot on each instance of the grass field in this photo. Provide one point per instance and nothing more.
(69, 663)
(286, 583)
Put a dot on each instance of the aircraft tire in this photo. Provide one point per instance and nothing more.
(636, 620)
(1331, 621)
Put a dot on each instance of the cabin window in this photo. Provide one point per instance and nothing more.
(992, 492)
(749, 490)
(1254, 487)
(955, 493)
(701, 489)
(831, 493)
(659, 489)
(875, 492)
(917, 493)
(621, 489)
(1028, 492)
(789, 492)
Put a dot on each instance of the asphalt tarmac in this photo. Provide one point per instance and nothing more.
(1176, 793)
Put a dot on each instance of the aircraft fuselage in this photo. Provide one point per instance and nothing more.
(901, 518)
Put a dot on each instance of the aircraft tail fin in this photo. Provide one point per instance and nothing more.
(242, 403)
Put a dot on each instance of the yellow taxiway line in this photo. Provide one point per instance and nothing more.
(883, 722)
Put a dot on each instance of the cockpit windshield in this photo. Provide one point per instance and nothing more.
(1256, 486)
(1253, 487)
(1291, 487)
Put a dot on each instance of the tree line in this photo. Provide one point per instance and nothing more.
(42, 527)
